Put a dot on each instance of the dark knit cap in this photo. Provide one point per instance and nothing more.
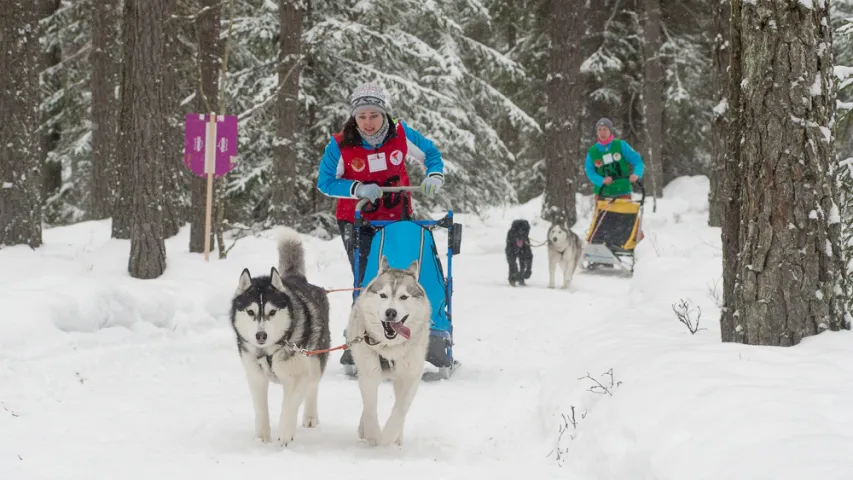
(605, 122)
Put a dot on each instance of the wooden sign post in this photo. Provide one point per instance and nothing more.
(210, 150)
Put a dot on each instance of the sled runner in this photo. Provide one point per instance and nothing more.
(614, 233)
(401, 242)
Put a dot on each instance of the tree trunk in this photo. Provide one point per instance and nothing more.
(788, 267)
(653, 97)
(20, 173)
(716, 197)
(51, 167)
(207, 25)
(283, 201)
(146, 99)
(730, 233)
(562, 130)
(105, 80)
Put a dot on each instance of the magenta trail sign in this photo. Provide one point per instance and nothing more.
(210, 149)
(214, 141)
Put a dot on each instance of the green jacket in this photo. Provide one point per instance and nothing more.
(612, 163)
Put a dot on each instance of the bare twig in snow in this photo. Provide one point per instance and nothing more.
(598, 387)
(613, 383)
(568, 420)
(685, 315)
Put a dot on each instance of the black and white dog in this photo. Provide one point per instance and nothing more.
(274, 318)
(519, 255)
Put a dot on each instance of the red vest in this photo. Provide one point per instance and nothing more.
(384, 166)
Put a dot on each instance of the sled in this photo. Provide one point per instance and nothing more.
(614, 233)
(401, 242)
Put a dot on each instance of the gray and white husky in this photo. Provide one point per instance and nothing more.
(388, 331)
(273, 318)
(564, 250)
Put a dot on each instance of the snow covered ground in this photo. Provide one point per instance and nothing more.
(104, 377)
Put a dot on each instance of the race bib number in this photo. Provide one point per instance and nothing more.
(376, 162)
(608, 158)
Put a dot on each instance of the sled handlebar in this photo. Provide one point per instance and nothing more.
(400, 189)
(364, 201)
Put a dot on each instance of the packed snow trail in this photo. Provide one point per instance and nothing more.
(103, 376)
(167, 397)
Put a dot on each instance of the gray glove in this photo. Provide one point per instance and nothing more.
(431, 185)
(368, 190)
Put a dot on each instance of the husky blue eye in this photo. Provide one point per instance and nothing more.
(382, 295)
(251, 312)
(272, 312)
(403, 297)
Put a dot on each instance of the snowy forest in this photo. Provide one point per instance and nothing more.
(93, 95)
(144, 335)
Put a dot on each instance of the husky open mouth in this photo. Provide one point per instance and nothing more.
(393, 328)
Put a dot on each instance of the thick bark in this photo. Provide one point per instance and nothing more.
(105, 80)
(653, 97)
(787, 266)
(562, 129)
(283, 201)
(207, 26)
(20, 172)
(146, 100)
(730, 233)
(716, 196)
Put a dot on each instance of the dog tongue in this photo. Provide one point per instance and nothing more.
(401, 329)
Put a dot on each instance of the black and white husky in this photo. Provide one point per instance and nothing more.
(564, 250)
(388, 331)
(274, 318)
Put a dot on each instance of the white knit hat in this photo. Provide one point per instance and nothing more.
(369, 95)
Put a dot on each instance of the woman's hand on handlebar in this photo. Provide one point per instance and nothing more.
(370, 191)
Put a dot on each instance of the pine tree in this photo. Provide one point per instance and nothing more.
(51, 55)
(20, 173)
(65, 107)
(653, 96)
(104, 84)
(562, 135)
(175, 178)
(145, 102)
(785, 270)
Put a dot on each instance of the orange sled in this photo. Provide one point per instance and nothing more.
(614, 233)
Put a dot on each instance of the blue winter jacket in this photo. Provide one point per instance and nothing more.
(332, 167)
(631, 156)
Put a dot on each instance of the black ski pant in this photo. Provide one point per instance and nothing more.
(366, 233)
